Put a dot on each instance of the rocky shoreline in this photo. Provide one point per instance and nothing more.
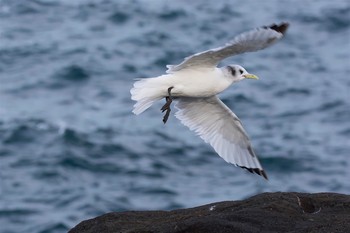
(266, 212)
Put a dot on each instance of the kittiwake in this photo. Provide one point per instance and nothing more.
(195, 83)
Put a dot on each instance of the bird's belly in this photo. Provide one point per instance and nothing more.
(199, 87)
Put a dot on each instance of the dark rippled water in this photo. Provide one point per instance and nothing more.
(70, 148)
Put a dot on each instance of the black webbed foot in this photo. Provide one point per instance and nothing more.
(166, 106)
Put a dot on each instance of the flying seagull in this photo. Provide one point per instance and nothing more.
(195, 83)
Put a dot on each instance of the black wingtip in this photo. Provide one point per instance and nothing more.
(281, 28)
(257, 171)
(263, 173)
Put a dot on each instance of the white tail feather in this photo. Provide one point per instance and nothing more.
(145, 92)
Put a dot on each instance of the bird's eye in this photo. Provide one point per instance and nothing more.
(232, 70)
(241, 71)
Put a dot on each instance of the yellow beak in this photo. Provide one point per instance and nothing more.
(252, 76)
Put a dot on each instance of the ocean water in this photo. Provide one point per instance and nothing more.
(70, 148)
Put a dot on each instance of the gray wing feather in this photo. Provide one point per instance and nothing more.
(217, 125)
(250, 41)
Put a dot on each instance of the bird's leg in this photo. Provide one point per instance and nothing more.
(166, 106)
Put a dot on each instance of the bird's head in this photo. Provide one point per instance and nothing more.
(238, 73)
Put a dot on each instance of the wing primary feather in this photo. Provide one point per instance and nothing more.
(249, 41)
(217, 125)
(256, 170)
(281, 28)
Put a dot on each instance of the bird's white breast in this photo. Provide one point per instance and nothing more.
(198, 82)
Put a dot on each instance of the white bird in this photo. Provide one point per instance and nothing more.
(195, 83)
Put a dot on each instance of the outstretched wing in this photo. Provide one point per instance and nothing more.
(217, 125)
(250, 41)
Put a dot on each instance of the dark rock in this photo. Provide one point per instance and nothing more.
(267, 212)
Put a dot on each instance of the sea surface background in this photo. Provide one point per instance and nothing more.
(70, 148)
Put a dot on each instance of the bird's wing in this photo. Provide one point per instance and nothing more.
(250, 41)
(217, 125)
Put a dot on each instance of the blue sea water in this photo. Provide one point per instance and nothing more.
(70, 148)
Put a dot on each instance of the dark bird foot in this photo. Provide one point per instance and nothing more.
(166, 106)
